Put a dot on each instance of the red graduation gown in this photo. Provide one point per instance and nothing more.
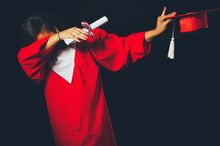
(78, 111)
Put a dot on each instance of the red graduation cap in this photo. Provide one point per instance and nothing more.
(189, 22)
(194, 21)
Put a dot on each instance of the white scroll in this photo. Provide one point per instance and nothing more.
(89, 27)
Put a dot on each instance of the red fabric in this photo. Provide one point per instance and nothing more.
(193, 22)
(78, 111)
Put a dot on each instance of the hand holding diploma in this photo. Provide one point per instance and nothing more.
(88, 28)
(73, 33)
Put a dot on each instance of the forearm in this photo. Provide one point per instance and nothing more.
(151, 34)
(52, 41)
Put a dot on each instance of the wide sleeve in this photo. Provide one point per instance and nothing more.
(114, 52)
(33, 58)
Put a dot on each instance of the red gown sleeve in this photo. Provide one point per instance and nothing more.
(114, 52)
(33, 58)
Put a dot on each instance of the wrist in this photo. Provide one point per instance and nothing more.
(156, 32)
(58, 35)
(151, 34)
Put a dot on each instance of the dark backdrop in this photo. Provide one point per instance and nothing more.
(156, 101)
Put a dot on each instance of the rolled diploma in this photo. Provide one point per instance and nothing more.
(93, 26)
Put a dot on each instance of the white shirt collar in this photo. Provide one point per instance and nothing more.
(64, 64)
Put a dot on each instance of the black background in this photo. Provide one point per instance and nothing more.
(156, 101)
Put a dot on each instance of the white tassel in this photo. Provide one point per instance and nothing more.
(171, 49)
(172, 44)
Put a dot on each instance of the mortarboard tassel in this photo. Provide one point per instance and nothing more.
(172, 43)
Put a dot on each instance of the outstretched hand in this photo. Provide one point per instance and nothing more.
(162, 21)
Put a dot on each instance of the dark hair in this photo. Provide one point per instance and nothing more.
(31, 26)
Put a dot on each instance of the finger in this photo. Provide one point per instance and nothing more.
(73, 33)
(82, 34)
(170, 15)
(167, 21)
(164, 11)
(76, 30)
(82, 37)
(165, 17)
(82, 31)
(74, 36)
(76, 39)
(78, 34)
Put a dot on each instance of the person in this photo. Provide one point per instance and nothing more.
(75, 98)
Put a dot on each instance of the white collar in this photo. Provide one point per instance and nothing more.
(64, 64)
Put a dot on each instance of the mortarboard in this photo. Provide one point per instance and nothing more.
(189, 22)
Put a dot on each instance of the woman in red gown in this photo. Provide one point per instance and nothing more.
(73, 87)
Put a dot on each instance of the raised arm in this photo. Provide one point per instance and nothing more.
(33, 57)
(114, 52)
